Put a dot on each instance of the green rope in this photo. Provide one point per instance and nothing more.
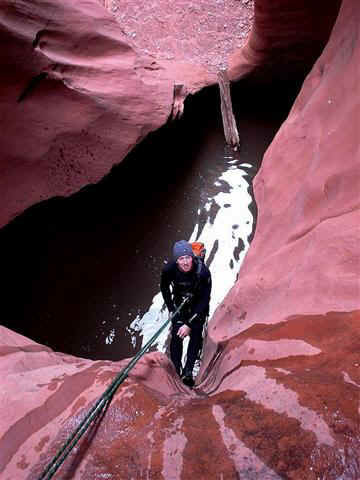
(103, 401)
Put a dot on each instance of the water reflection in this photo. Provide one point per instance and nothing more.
(224, 224)
(91, 263)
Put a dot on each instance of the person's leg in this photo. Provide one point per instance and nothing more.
(176, 347)
(195, 345)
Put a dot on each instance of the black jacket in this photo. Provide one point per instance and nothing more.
(196, 282)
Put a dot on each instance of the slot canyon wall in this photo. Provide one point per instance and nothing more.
(81, 85)
(278, 390)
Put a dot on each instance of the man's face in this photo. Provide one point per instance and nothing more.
(185, 263)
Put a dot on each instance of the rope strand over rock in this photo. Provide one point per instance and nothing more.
(100, 405)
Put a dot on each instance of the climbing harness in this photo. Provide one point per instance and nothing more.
(100, 405)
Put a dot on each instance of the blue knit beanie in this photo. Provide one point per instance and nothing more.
(182, 248)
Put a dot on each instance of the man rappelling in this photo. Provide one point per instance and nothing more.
(188, 277)
(188, 303)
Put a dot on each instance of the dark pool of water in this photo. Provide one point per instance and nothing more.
(73, 268)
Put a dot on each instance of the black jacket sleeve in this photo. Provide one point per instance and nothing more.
(200, 305)
(165, 283)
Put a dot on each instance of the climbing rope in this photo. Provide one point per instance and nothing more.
(99, 406)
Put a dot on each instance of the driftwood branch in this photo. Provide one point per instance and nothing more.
(180, 92)
(230, 129)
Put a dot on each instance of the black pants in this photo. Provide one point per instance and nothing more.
(194, 347)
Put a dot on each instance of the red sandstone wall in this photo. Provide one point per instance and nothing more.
(286, 38)
(292, 318)
(304, 256)
(74, 77)
(74, 99)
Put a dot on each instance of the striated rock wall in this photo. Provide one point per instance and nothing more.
(278, 392)
(292, 318)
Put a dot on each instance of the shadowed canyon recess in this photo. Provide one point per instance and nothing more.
(92, 262)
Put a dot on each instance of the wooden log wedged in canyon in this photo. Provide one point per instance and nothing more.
(230, 128)
(180, 93)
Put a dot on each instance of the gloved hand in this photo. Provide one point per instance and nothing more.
(183, 331)
(189, 295)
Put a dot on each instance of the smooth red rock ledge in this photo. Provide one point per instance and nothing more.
(289, 413)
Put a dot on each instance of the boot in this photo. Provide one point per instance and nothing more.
(187, 378)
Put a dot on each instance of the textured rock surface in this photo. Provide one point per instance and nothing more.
(77, 74)
(74, 98)
(196, 34)
(278, 394)
(293, 316)
(79, 90)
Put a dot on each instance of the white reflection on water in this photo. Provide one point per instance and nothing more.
(224, 223)
(110, 338)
